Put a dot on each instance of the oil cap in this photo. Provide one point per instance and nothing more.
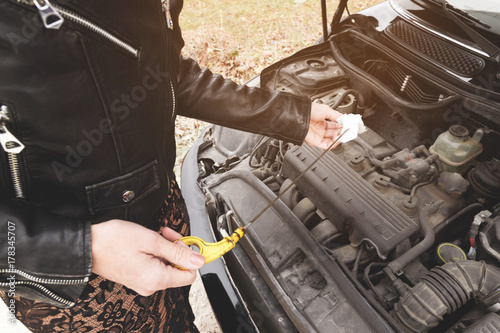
(447, 252)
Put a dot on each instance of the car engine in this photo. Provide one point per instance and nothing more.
(410, 208)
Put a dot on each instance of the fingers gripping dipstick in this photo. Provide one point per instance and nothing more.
(212, 251)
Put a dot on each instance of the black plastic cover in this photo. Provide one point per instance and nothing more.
(488, 324)
(311, 288)
(347, 199)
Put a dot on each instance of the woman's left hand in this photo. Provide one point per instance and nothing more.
(323, 127)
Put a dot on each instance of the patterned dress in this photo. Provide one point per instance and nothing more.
(105, 306)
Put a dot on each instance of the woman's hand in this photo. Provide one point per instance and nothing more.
(323, 127)
(132, 255)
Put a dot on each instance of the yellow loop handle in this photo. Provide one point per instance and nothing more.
(212, 251)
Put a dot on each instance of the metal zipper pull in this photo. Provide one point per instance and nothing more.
(12, 146)
(53, 16)
(50, 16)
(10, 143)
(166, 8)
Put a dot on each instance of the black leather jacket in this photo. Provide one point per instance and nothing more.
(93, 104)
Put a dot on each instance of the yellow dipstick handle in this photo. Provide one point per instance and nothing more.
(212, 251)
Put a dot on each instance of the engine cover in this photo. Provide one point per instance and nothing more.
(348, 200)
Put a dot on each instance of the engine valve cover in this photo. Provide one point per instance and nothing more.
(348, 200)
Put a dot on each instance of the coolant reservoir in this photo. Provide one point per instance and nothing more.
(456, 149)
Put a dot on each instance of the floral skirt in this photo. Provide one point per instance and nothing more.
(105, 306)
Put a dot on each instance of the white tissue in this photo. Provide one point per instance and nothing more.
(353, 124)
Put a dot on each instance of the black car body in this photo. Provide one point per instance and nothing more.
(395, 231)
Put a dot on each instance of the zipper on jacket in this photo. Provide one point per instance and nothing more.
(13, 147)
(56, 10)
(48, 293)
(165, 6)
(37, 282)
(43, 289)
(98, 30)
(40, 280)
(166, 9)
(173, 99)
(50, 16)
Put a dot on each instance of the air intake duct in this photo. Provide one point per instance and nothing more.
(444, 290)
(485, 179)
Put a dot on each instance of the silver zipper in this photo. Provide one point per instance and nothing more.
(46, 291)
(64, 13)
(166, 9)
(165, 5)
(98, 30)
(36, 282)
(13, 147)
(173, 98)
(50, 16)
(44, 281)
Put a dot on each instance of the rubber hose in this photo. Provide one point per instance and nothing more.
(290, 198)
(424, 245)
(305, 210)
(344, 94)
(444, 290)
(427, 153)
(384, 165)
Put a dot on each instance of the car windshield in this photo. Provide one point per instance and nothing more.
(486, 11)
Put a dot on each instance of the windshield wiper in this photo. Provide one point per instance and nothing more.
(462, 13)
(456, 14)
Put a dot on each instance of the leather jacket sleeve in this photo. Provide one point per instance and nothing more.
(209, 97)
(26, 234)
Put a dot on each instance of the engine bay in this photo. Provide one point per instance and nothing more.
(409, 210)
